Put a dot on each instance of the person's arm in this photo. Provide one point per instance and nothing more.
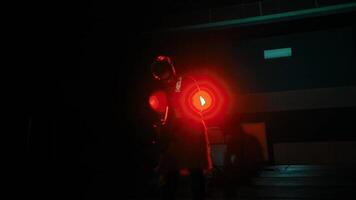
(163, 132)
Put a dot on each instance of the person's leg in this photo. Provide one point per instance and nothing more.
(169, 183)
(197, 184)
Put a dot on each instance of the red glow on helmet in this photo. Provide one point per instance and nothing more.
(158, 101)
(161, 58)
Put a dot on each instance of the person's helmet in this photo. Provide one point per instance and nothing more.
(162, 68)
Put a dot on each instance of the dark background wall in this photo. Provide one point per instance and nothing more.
(323, 54)
(322, 62)
(319, 59)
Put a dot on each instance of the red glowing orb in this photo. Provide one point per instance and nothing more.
(154, 103)
(158, 101)
(205, 97)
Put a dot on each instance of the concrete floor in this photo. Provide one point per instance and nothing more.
(287, 182)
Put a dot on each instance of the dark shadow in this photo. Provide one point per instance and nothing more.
(243, 159)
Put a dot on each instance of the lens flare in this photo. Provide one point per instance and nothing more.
(205, 97)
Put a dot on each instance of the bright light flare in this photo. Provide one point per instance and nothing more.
(205, 97)
(202, 100)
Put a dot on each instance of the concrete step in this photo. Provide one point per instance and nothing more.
(297, 192)
(285, 182)
(304, 181)
(308, 171)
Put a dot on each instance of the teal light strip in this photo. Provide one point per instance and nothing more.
(277, 53)
(272, 18)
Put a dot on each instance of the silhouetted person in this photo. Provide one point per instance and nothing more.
(182, 140)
